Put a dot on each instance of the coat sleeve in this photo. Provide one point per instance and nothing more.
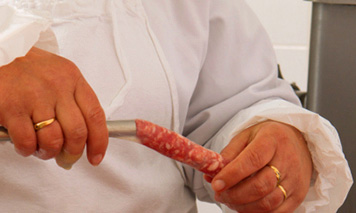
(238, 87)
(24, 24)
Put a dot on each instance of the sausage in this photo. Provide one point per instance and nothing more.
(179, 148)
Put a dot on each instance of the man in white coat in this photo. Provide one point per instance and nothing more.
(205, 69)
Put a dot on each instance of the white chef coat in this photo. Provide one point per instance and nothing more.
(205, 69)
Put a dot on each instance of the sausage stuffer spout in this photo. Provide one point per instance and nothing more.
(124, 129)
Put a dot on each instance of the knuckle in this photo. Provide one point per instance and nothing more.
(68, 76)
(277, 129)
(260, 187)
(255, 159)
(78, 134)
(276, 200)
(96, 114)
(271, 181)
(16, 112)
(72, 70)
(69, 66)
(282, 132)
(55, 144)
(265, 205)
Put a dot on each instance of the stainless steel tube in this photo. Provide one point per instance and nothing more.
(125, 129)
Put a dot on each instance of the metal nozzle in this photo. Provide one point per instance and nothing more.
(125, 129)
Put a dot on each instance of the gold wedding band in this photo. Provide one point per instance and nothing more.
(42, 124)
(283, 191)
(278, 174)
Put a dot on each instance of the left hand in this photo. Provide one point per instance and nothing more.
(249, 184)
(41, 86)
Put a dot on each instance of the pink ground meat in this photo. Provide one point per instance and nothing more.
(179, 148)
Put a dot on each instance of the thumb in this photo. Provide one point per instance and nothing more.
(66, 160)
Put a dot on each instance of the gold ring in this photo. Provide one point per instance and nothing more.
(278, 174)
(283, 191)
(42, 124)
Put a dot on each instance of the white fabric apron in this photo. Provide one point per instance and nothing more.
(113, 46)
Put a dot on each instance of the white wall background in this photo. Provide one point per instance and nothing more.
(288, 24)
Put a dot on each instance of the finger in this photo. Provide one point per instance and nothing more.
(254, 157)
(267, 204)
(296, 187)
(207, 178)
(94, 116)
(256, 187)
(22, 134)
(74, 129)
(50, 137)
(233, 149)
(289, 205)
(236, 145)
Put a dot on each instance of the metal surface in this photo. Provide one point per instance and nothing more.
(124, 129)
(332, 76)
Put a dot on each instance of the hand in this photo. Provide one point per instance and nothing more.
(249, 184)
(41, 86)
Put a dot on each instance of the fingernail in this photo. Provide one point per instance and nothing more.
(66, 160)
(97, 159)
(60, 162)
(66, 166)
(218, 185)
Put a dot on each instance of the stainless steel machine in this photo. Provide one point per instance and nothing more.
(332, 75)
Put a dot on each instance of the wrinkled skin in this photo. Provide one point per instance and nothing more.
(40, 86)
(248, 184)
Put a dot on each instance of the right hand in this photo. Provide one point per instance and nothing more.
(41, 86)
